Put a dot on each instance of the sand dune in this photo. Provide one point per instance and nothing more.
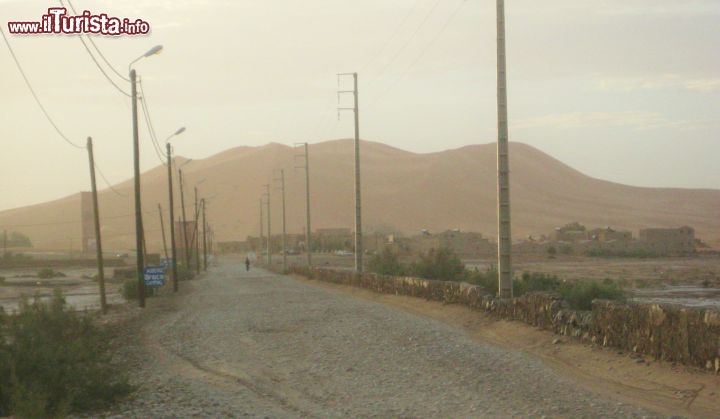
(402, 191)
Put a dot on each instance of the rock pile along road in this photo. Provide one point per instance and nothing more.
(257, 344)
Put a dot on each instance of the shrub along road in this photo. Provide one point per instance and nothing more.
(238, 343)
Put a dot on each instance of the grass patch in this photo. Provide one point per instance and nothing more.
(54, 362)
(47, 273)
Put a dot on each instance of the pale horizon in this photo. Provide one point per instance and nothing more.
(621, 93)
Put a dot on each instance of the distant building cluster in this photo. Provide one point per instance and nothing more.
(606, 241)
(572, 238)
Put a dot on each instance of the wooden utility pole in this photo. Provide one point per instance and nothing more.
(162, 229)
(96, 218)
(184, 223)
(504, 236)
(358, 205)
(139, 230)
(172, 218)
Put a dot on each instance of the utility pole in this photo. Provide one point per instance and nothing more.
(504, 237)
(96, 218)
(262, 230)
(282, 189)
(269, 240)
(196, 235)
(358, 206)
(184, 223)
(162, 229)
(172, 218)
(308, 246)
(202, 202)
(138, 207)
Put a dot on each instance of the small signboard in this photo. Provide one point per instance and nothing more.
(154, 276)
(166, 262)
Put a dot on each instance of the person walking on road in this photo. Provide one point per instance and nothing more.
(247, 263)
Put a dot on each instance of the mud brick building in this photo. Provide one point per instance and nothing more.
(679, 240)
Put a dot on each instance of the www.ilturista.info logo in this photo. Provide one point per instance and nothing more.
(57, 22)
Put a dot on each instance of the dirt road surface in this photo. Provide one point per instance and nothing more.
(256, 344)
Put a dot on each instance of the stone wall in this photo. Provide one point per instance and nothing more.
(690, 336)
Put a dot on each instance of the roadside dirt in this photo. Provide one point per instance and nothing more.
(667, 388)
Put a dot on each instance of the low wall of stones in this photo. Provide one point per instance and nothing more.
(690, 336)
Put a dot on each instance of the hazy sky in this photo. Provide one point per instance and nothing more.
(623, 91)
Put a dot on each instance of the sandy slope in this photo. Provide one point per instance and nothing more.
(401, 190)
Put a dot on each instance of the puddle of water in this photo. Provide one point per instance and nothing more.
(685, 295)
(79, 302)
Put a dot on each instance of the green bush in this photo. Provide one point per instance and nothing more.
(535, 282)
(442, 264)
(184, 274)
(46, 273)
(129, 289)
(386, 263)
(581, 294)
(487, 279)
(54, 362)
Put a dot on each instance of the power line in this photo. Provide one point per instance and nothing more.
(151, 129)
(392, 37)
(422, 53)
(412, 37)
(148, 121)
(102, 175)
(148, 124)
(35, 96)
(97, 64)
(98, 49)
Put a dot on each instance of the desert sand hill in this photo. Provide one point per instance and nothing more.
(402, 191)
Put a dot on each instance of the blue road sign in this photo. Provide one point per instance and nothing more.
(154, 276)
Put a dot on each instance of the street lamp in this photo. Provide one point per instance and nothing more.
(172, 211)
(136, 158)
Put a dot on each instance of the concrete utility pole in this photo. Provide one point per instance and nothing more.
(282, 190)
(204, 209)
(358, 206)
(308, 246)
(196, 235)
(505, 286)
(96, 218)
(269, 240)
(262, 229)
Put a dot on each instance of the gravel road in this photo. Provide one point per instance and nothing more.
(256, 344)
